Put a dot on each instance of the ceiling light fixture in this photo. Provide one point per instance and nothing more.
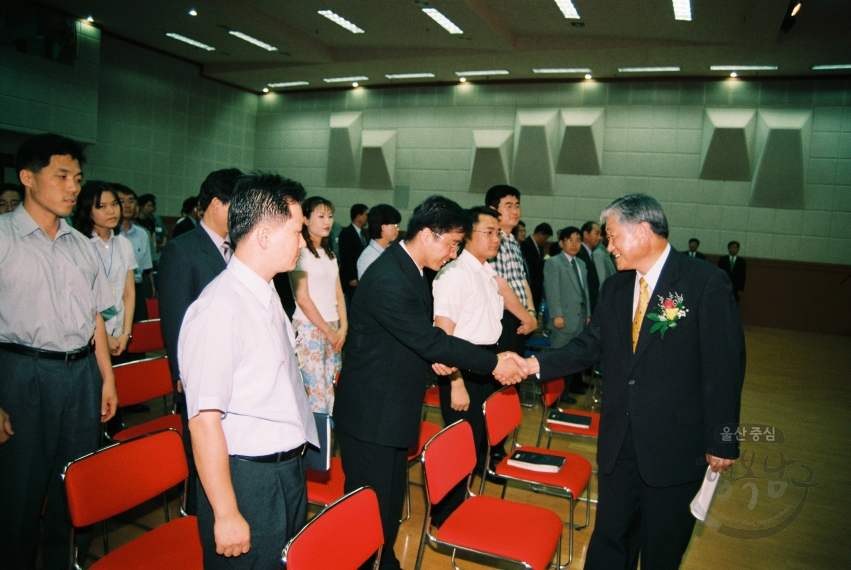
(408, 75)
(568, 9)
(354, 83)
(190, 41)
(90, 19)
(288, 84)
(648, 69)
(444, 22)
(341, 21)
(193, 12)
(682, 10)
(345, 79)
(831, 66)
(254, 41)
(482, 72)
(733, 74)
(743, 67)
(265, 90)
(795, 10)
(588, 76)
(791, 16)
(463, 80)
(561, 70)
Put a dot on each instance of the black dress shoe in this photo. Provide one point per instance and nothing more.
(568, 400)
(137, 408)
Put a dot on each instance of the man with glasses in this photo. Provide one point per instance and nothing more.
(143, 275)
(566, 285)
(10, 198)
(383, 229)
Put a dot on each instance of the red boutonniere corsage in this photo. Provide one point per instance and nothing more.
(670, 311)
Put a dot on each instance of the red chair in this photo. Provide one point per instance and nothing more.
(427, 431)
(121, 476)
(343, 536)
(153, 306)
(147, 337)
(502, 417)
(431, 400)
(138, 382)
(550, 393)
(325, 487)
(523, 534)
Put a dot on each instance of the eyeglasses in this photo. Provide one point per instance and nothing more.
(574, 241)
(128, 201)
(454, 246)
(10, 204)
(489, 233)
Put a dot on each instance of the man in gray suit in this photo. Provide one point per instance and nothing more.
(566, 287)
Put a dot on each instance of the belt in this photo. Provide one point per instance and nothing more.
(274, 457)
(69, 356)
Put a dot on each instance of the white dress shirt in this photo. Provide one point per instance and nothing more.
(652, 277)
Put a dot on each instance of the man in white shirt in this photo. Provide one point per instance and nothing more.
(248, 412)
(142, 242)
(383, 229)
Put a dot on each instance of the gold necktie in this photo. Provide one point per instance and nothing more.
(643, 299)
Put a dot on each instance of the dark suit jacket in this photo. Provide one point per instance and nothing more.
(739, 273)
(535, 262)
(350, 249)
(187, 265)
(593, 278)
(184, 226)
(673, 392)
(697, 255)
(389, 351)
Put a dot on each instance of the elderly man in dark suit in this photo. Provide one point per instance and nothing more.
(188, 264)
(673, 350)
(391, 345)
(735, 267)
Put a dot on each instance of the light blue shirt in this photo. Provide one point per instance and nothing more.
(141, 240)
(369, 254)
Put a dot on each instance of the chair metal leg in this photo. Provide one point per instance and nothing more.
(165, 507)
(407, 494)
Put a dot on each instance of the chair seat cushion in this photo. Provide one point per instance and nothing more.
(573, 475)
(174, 545)
(167, 421)
(504, 528)
(325, 487)
(591, 431)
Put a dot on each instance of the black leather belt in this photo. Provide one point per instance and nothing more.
(70, 356)
(274, 457)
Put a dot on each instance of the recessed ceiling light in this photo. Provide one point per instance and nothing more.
(193, 12)
(354, 83)
(254, 41)
(682, 9)
(444, 22)
(341, 21)
(561, 70)
(743, 67)
(795, 10)
(288, 84)
(588, 76)
(265, 90)
(568, 9)
(733, 74)
(482, 72)
(408, 75)
(190, 41)
(648, 69)
(345, 79)
(463, 79)
(90, 19)
(832, 66)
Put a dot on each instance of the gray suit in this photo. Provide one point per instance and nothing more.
(566, 298)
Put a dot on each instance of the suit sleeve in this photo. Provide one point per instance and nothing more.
(552, 288)
(175, 296)
(722, 346)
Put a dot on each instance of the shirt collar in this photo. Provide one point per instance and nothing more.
(27, 225)
(652, 276)
(468, 259)
(217, 239)
(402, 243)
(259, 288)
(588, 249)
(568, 256)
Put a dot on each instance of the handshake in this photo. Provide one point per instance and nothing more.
(511, 368)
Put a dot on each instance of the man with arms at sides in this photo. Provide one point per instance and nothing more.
(693, 244)
(533, 250)
(591, 237)
(467, 304)
(142, 242)
(189, 211)
(187, 265)
(383, 229)
(248, 412)
(352, 241)
(56, 381)
(665, 397)
(391, 345)
(566, 284)
(735, 267)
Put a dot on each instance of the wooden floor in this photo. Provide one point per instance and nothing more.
(761, 517)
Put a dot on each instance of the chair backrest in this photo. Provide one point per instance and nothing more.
(153, 306)
(448, 458)
(551, 391)
(142, 380)
(502, 414)
(343, 536)
(147, 337)
(121, 476)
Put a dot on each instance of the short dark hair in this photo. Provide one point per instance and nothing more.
(188, 205)
(357, 210)
(122, 189)
(91, 196)
(438, 214)
(145, 198)
(734, 243)
(218, 184)
(259, 196)
(694, 240)
(498, 192)
(565, 233)
(474, 214)
(588, 227)
(35, 152)
(634, 209)
(544, 229)
(307, 208)
(380, 215)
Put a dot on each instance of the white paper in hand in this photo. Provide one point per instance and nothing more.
(700, 503)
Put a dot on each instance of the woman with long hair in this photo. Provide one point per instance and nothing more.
(320, 319)
(98, 215)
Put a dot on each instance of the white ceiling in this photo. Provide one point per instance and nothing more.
(516, 35)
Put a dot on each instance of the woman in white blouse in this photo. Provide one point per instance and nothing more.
(320, 319)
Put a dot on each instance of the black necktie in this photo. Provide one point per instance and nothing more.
(578, 278)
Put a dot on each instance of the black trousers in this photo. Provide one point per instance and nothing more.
(272, 498)
(634, 518)
(382, 468)
(54, 408)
